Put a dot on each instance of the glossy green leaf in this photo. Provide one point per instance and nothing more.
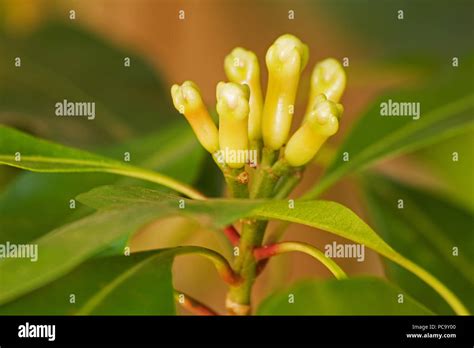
(354, 296)
(446, 106)
(24, 215)
(139, 284)
(426, 229)
(21, 150)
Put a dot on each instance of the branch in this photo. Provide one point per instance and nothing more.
(238, 298)
(267, 251)
(232, 234)
(192, 305)
(222, 265)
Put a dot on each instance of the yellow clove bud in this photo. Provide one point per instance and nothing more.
(233, 109)
(241, 66)
(187, 100)
(328, 78)
(321, 123)
(285, 59)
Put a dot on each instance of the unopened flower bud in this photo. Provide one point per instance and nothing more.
(233, 109)
(285, 59)
(241, 66)
(187, 100)
(328, 78)
(321, 123)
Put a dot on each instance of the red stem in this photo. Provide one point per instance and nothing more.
(263, 254)
(194, 306)
(266, 251)
(232, 234)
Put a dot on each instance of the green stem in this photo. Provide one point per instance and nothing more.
(286, 247)
(256, 145)
(222, 265)
(238, 298)
(288, 183)
(267, 176)
(278, 232)
(236, 179)
(269, 157)
(269, 179)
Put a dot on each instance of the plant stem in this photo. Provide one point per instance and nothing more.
(267, 251)
(232, 234)
(236, 178)
(238, 298)
(246, 266)
(287, 183)
(269, 178)
(268, 159)
(237, 181)
(222, 266)
(256, 145)
(192, 305)
(278, 232)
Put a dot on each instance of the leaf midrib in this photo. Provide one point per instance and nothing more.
(59, 160)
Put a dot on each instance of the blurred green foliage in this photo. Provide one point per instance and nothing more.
(427, 230)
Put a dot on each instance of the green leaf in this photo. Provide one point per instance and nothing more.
(455, 178)
(426, 229)
(446, 106)
(21, 150)
(62, 61)
(63, 249)
(139, 284)
(221, 211)
(354, 296)
(172, 151)
(123, 209)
